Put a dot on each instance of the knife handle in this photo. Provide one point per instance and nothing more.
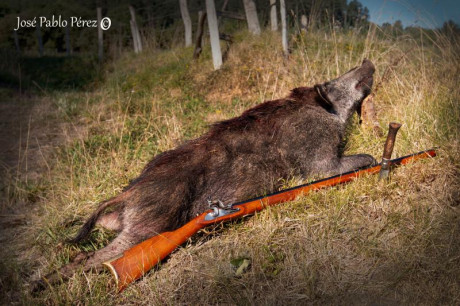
(388, 148)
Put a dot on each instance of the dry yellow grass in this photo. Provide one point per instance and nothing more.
(364, 243)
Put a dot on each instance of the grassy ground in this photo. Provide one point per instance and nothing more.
(366, 242)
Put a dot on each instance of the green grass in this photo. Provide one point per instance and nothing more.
(366, 242)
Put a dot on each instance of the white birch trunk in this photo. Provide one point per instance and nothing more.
(138, 35)
(284, 27)
(187, 22)
(214, 34)
(273, 17)
(251, 16)
(135, 31)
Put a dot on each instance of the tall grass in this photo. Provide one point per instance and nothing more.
(366, 242)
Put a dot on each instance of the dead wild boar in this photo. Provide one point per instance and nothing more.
(235, 160)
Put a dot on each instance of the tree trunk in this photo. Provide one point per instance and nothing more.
(251, 16)
(224, 7)
(135, 31)
(214, 34)
(199, 34)
(100, 36)
(40, 41)
(273, 16)
(187, 22)
(284, 28)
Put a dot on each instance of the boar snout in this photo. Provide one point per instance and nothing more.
(368, 65)
(365, 77)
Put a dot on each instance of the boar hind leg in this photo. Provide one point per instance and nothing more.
(110, 221)
(87, 261)
(116, 247)
(349, 163)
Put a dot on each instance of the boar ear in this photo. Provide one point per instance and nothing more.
(322, 91)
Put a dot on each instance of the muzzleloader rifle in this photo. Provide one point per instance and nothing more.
(135, 262)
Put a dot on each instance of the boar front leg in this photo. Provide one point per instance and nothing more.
(348, 163)
(352, 162)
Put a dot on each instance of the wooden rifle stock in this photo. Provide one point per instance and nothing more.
(135, 262)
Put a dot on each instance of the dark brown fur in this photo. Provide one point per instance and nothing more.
(235, 160)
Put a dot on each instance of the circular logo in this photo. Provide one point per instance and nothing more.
(106, 23)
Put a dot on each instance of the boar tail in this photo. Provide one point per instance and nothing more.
(91, 222)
